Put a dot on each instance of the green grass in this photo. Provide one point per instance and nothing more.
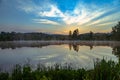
(103, 70)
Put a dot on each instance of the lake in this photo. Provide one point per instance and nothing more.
(78, 54)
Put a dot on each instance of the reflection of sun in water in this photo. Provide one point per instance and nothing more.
(66, 46)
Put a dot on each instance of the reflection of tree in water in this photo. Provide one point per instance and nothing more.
(70, 46)
(14, 46)
(116, 51)
(76, 47)
(91, 47)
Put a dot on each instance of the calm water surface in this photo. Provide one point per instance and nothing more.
(76, 55)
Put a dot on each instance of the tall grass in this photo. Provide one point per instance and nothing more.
(103, 70)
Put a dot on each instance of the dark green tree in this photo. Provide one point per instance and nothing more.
(116, 32)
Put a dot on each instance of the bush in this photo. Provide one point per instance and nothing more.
(103, 70)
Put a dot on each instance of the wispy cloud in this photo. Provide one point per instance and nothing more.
(47, 10)
(26, 7)
(108, 18)
(81, 15)
(45, 21)
(52, 12)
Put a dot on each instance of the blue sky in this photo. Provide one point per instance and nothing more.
(59, 16)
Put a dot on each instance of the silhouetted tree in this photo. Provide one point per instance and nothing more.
(91, 35)
(75, 34)
(116, 32)
(6, 36)
(70, 35)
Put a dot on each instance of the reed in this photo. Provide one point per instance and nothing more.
(103, 70)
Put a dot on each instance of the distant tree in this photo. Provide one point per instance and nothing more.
(6, 36)
(70, 35)
(10, 36)
(75, 34)
(91, 35)
(116, 32)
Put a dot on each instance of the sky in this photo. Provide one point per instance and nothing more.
(59, 16)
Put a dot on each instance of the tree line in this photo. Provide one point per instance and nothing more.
(11, 36)
(113, 35)
(75, 35)
(89, 36)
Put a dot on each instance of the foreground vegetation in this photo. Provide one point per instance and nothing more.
(103, 70)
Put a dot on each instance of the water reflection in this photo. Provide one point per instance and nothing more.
(116, 51)
(75, 47)
(12, 45)
(78, 53)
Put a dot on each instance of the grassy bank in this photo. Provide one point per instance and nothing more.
(103, 70)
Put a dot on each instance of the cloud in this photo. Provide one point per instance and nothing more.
(107, 19)
(45, 21)
(49, 11)
(52, 12)
(40, 10)
(28, 6)
(82, 15)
